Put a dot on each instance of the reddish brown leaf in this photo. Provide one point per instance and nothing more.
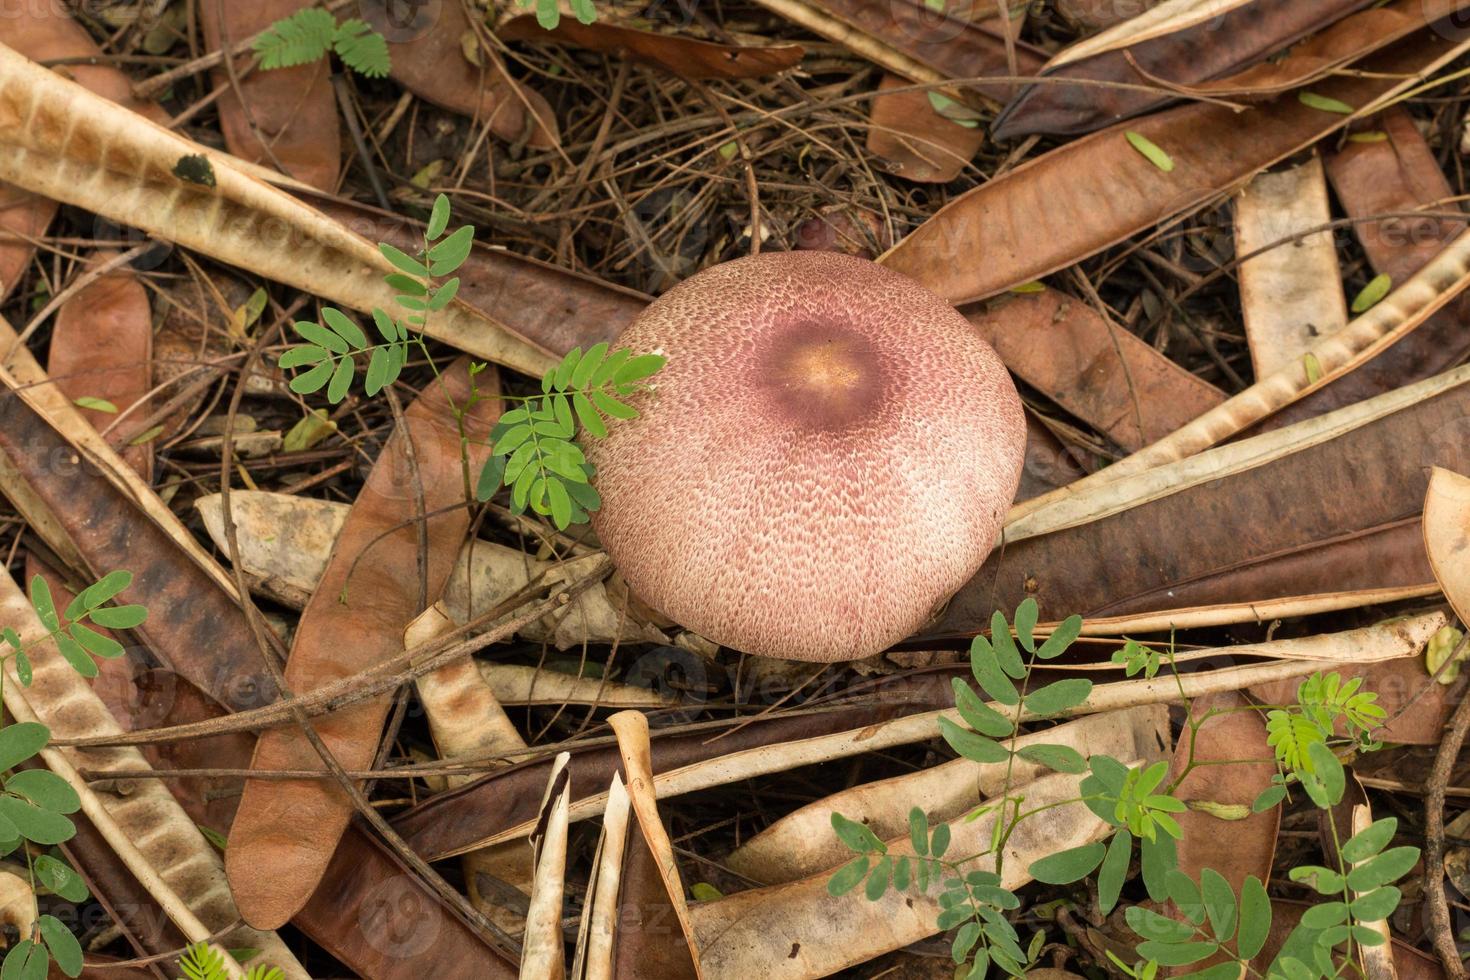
(188, 609)
(1285, 527)
(102, 347)
(552, 306)
(687, 57)
(284, 118)
(914, 140)
(1241, 34)
(369, 593)
(1233, 847)
(427, 48)
(1098, 371)
(1396, 175)
(1096, 191)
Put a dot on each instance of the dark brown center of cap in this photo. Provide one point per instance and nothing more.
(821, 376)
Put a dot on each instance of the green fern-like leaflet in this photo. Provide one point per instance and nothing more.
(533, 449)
(307, 35)
(203, 962)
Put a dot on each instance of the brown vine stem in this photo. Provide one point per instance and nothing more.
(1441, 932)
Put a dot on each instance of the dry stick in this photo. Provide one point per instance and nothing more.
(1440, 929)
(488, 932)
(360, 687)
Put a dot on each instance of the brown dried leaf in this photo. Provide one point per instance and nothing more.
(1447, 536)
(1094, 192)
(1237, 736)
(102, 347)
(1093, 368)
(911, 39)
(284, 118)
(1259, 519)
(914, 140)
(372, 589)
(686, 57)
(429, 60)
(1205, 51)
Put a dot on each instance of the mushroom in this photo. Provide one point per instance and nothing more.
(827, 455)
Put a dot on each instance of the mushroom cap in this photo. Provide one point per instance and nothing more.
(827, 455)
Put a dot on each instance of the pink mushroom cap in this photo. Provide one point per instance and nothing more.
(827, 456)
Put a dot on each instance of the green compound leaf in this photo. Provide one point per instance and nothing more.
(1377, 904)
(976, 748)
(449, 255)
(1255, 918)
(847, 877)
(1006, 653)
(989, 674)
(1068, 866)
(65, 949)
(1325, 915)
(119, 617)
(43, 604)
(1113, 870)
(403, 261)
(1062, 758)
(20, 741)
(1389, 866)
(1370, 840)
(45, 789)
(856, 836)
(343, 326)
(1059, 696)
(362, 49)
(1061, 638)
(94, 595)
(1219, 903)
(635, 369)
(34, 823)
(977, 714)
(300, 39)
